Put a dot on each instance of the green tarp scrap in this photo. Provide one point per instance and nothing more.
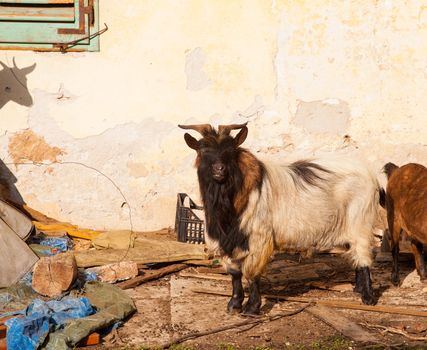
(40, 250)
(16, 297)
(112, 304)
(114, 240)
(145, 251)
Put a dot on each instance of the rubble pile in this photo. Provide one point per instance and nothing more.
(62, 286)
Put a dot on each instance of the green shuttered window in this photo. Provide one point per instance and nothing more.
(51, 25)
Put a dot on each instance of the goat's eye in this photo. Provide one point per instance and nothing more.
(227, 154)
(205, 151)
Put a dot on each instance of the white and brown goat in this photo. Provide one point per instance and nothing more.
(254, 207)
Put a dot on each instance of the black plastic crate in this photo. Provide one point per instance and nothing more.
(188, 226)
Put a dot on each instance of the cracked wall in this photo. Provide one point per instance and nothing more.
(342, 77)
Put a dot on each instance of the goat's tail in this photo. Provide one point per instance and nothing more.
(382, 196)
(389, 168)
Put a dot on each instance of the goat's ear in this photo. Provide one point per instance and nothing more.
(241, 136)
(191, 141)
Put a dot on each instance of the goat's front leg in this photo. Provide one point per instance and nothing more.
(358, 287)
(252, 306)
(235, 303)
(364, 285)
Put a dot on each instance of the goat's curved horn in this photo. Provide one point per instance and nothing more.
(204, 129)
(226, 129)
(25, 70)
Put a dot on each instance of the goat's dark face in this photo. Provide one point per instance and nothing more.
(216, 159)
(217, 151)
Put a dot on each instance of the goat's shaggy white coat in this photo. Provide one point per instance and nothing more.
(287, 212)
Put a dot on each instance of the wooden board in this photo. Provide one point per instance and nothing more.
(147, 251)
(151, 275)
(339, 304)
(342, 324)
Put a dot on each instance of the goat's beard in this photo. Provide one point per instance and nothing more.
(222, 221)
(219, 179)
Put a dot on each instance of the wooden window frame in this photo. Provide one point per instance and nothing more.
(49, 25)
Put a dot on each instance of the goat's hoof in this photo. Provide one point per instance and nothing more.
(395, 280)
(369, 299)
(251, 310)
(357, 289)
(234, 310)
(234, 306)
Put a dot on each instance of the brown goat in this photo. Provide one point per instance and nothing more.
(406, 205)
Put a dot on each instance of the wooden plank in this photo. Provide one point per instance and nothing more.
(71, 230)
(206, 276)
(151, 275)
(342, 324)
(218, 269)
(91, 339)
(404, 310)
(337, 287)
(147, 251)
(37, 2)
(43, 32)
(38, 216)
(38, 14)
(3, 331)
(209, 263)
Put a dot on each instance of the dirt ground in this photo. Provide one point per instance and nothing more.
(168, 309)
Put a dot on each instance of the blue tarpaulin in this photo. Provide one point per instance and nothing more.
(54, 245)
(40, 318)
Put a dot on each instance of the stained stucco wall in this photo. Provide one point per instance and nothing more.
(309, 76)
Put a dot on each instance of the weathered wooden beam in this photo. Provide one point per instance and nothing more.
(404, 310)
(342, 324)
(206, 276)
(151, 275)
(145, 251)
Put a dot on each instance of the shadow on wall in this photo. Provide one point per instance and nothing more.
(13, 84)
(8, 190)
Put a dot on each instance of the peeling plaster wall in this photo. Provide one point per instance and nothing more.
(310, 77)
